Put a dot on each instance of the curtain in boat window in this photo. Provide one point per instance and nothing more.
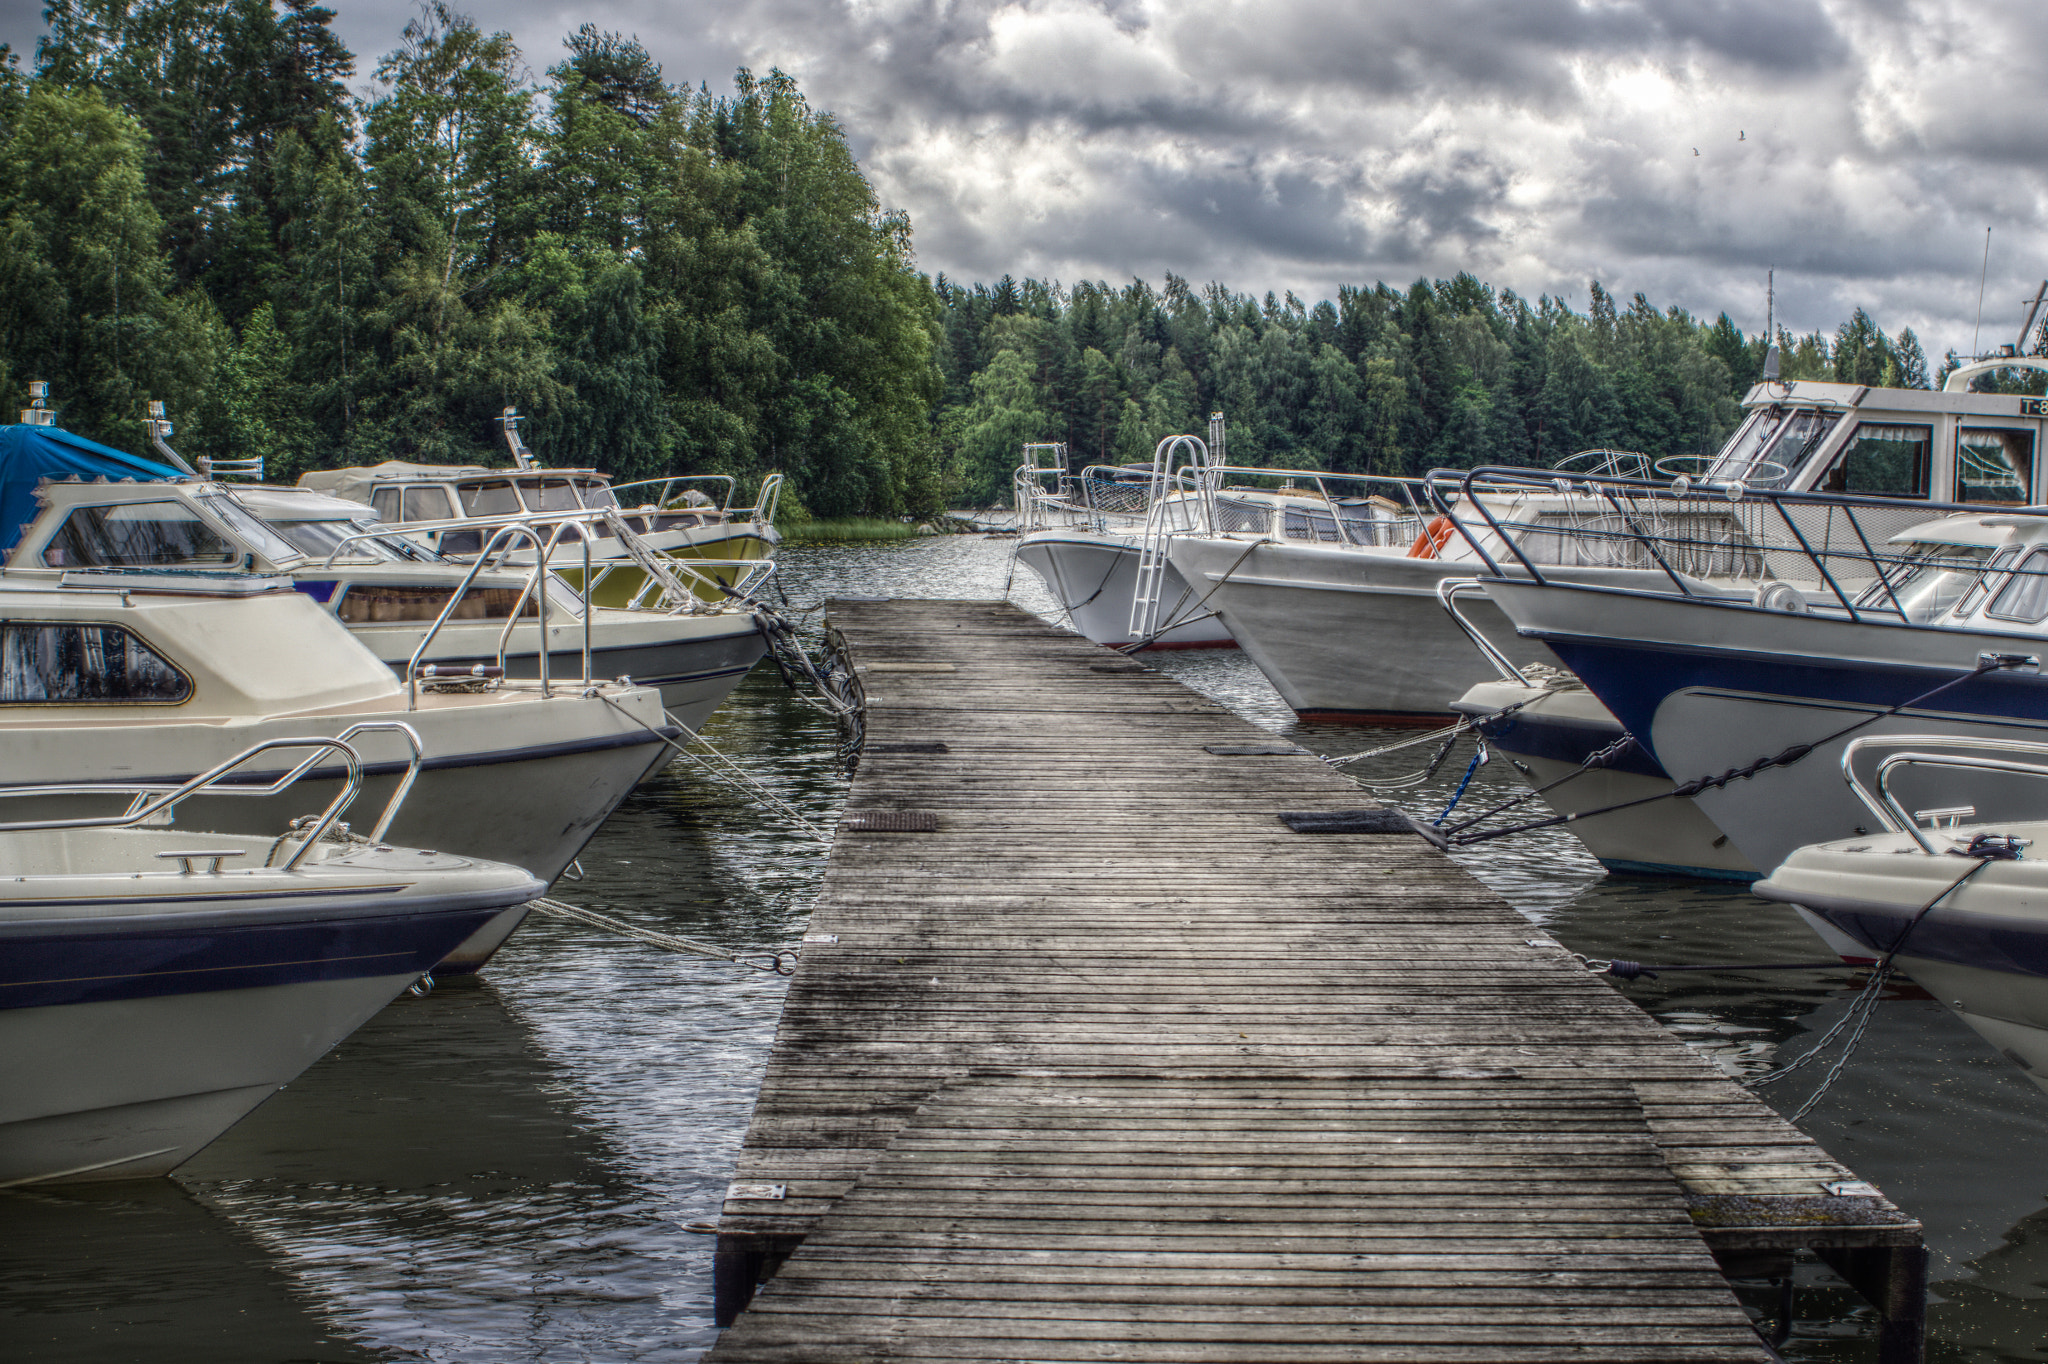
(83, 663)
(1885, 459)
(1994, 465)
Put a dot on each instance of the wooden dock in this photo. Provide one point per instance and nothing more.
(1090, 1057)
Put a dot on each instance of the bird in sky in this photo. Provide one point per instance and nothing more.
(1695, 151)
(1741, 136)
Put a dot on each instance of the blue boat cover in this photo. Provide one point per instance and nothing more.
(30, 454)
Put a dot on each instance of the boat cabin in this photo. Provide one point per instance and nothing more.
(375, 578)
(1947, 444)
(402, 494)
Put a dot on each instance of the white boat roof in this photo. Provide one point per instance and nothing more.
(1980, 528)
(354, 484)
(251, 646)
(1868, 399)
(273, 503)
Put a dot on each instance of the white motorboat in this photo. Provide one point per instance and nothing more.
(158, 984)
(144, 677)
(1352, 631)
(1097, 538)
(1962, 909)
(1347, 626)
(389, 591)
(1938, 631)
(674, 516)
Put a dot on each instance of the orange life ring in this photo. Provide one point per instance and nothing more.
(1434, 537)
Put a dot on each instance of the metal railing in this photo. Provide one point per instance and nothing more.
(153, 800)
(1885, 804)
(1796, 551)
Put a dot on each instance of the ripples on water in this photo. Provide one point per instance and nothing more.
(507, 1173)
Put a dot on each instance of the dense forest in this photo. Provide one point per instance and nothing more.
(195, 208)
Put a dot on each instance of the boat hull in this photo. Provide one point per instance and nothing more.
(1982, 950)
(1094, 578)
(714, 551)
(1348, 634)
(1553, 734)
(1716, 686)
(135, 1033)
(694, 662)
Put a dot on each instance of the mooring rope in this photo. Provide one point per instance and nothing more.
(731, 773)
(781, 963)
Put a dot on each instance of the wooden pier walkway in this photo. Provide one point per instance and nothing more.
(1090, 1057)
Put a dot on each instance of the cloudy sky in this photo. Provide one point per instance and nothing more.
(1676, 147)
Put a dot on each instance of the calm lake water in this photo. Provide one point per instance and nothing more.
(510, 1172)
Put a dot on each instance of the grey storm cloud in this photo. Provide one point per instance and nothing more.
(1679, 148)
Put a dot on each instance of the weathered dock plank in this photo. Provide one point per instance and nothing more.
(1113, 1063)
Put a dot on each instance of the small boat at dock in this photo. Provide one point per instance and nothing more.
(156, 984)
(1962, 909)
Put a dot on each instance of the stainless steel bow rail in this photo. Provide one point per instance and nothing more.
(1828, 553)
(153, 801)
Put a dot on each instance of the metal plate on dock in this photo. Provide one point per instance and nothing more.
(1256, 750)
(934, 746)
(906, 668)
(764, 1192)
(893, 822)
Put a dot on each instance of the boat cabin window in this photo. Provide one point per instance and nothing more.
(2024, 597)
(549, 495)
(384, 501)
(1885, 459)
(1985, 581)
(1931, 579)
(493, 498)
(1994, 465)
(596, 492)
(318, 539)
(137, 535)
(1785, 436)
(90, 664)
(430, 503)
(394, 603)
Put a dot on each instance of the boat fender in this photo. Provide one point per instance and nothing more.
(1434, 537)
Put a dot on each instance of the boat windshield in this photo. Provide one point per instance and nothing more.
(596, 492)
(251, 531)
(318, 539)
(1929, 579)
(1785, 436)
(139, 535)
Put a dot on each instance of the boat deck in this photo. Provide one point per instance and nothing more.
(1091, 1057)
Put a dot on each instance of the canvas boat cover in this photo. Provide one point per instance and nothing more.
(354, 485)
(30, 455)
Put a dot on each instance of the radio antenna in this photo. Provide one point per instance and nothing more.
(1981, 276)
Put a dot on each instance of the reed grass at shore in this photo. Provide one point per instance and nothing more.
(852, 528)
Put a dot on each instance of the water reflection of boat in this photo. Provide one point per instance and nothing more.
(156, 985)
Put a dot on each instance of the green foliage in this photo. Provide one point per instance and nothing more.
(665, 280)
(1445, 373)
